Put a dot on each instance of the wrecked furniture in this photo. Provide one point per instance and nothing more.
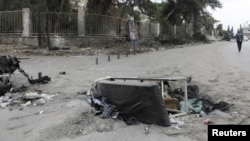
(149, 100)
(163, 84)
(139, 100)
(133, 99)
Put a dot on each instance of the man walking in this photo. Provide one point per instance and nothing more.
(239, 39)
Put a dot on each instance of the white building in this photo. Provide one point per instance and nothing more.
(246, 30)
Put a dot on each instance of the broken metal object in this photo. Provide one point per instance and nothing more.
(62, 72)
(142, 101)
(19, 89)
(5, 84)
(8, 65)
(109, 110)
(179, 115)
(105, 109)
(41, 79)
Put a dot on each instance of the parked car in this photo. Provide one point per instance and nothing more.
(245, 38)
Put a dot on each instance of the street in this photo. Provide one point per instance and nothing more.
(217, 68)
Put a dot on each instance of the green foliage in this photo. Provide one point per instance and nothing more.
(220, 30)
(58, 5)
(219, 27)
(145, 7)
(100, 6)
(8, 5)
(190, 11)
(222, 33)
(44, 5)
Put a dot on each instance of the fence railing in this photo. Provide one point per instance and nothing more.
(11, 22)
(62, 23)
(54, 23)
(104, 25)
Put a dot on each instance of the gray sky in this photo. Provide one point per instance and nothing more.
(233, 13)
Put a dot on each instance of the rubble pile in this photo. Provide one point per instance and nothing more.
(11, 96)
(197, 103)
(23, 100)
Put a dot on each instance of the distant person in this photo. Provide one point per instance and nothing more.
(239, 39)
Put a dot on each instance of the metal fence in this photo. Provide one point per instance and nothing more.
(54, 22)
(108, 25)
(62, 23)
(104, 25)
(11, 22)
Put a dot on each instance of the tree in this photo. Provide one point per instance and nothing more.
(190, 11)
(241, 30)
(232, 32)
(100, 6)
(8, 5)
(228, 30)
(144, 6)
(39, 6)
(219, 28)
(52, 5)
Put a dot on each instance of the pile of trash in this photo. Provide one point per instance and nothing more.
(24, 100)
(12, 96)
(202, 104)
(144, 102)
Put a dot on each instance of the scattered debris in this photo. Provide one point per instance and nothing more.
(25, 100)
(207, 121)
(41, 112)
(62, 72)
(194, 105)
(83, 92)
(41, 79)
(203, 114)
(220, 114)
(8, 65)
(147, 130)
(19, 89)
(40, 102)
(171, 103)
(113, 98)
(26, 104)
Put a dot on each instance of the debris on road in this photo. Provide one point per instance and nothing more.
(25, 100)
(138, 101)
(131, 101)
(8, 65)
(62, 72)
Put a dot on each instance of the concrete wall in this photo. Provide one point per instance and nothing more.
(81, 42)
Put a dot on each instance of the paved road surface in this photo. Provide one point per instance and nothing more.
(219, 69)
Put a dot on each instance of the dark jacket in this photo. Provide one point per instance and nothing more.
(239, 37)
